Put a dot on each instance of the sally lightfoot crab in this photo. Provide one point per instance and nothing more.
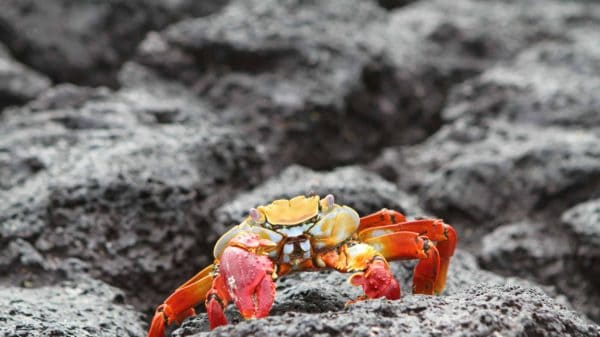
(310, 233)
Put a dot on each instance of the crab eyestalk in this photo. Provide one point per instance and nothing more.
(327, 202)
(256, 216)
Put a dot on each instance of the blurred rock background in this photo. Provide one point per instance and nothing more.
(134, 133)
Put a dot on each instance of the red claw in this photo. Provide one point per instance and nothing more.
(377, 281)
(248, 279)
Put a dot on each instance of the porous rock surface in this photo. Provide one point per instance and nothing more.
(85, 308)
(96, 176)
(18, 83)
(340, 78)
(86, 41)
(519, 249)
(519, 147)
(499, 172)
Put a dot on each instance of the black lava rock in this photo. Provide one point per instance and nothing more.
(94, 175)
(86, 42)
(18, 83)
(82, 308)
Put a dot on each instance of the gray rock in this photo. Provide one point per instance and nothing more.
(18, 83)
(519, 249)
(554, 83)
(477, 303)
(486, 175)
(321, 85)
(85, 42)
(282, 71)
(393, 4)
(115, 186)
(353, 186)
(582, 222)
(545, 255)
(519, 147)
(85, 308)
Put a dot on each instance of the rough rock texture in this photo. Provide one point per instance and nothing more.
(334, 79)
(497, 311)
(519, 146)
(280, 70)
(86, 42)
(488, 174)
(513, 145)
(519, 249)
(84, 308)
(554, 83)
(583, 223)
(477, 304)
(102, 178)
(18, 83)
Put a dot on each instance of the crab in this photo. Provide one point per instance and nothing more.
(308, 233)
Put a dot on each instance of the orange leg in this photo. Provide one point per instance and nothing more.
(380, 218)
(181, 303)
(411, 245)
(434, 229)
(446, 249)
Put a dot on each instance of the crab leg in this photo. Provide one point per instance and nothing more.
(216, 301)
(181, 303)
(446, 249)
(434, 229)
(380, 218)
(411, 245)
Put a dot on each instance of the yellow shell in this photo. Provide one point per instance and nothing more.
(292, 211)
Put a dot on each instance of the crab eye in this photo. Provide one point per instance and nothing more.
(256, 216)
(327, 202)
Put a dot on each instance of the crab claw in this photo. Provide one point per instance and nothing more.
(248, 275)
(377, 281)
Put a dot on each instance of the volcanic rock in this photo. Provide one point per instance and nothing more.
(323, 86)
(486, 175)
(18, 83)
(96, 176)
(85, 308)
(86, 42)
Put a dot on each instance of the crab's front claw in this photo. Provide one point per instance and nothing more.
(377, 281)
(248, 275)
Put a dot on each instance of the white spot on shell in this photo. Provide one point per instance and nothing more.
(305, 245)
